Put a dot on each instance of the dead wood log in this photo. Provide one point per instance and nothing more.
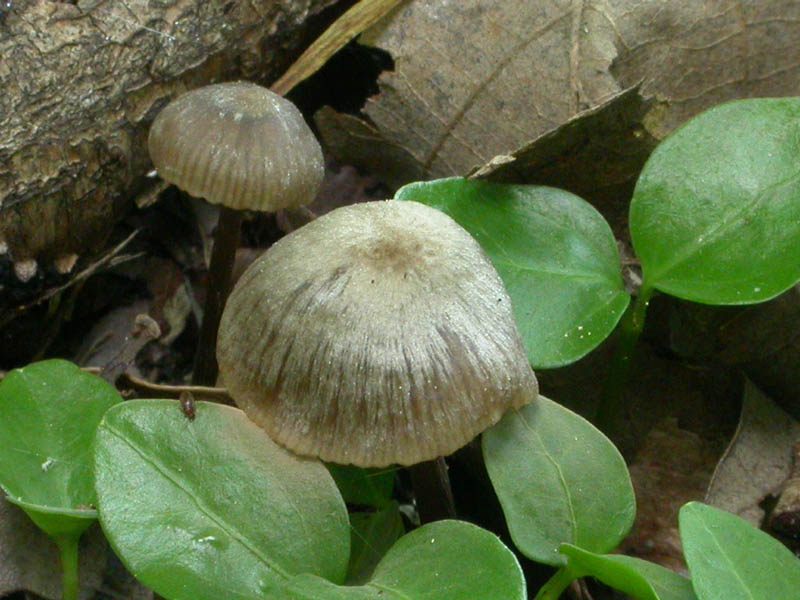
(80, 82)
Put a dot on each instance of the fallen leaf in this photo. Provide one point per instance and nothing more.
(352, 140)
(758, 460)
(474, 80)
(673, 467)
(117, 338)
(597, 155)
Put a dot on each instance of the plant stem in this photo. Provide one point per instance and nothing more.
(630, 328)
(432, 491)
(556, 585)
(226, 241)
(68, 547)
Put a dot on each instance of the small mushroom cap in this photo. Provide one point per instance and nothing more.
(379, 333)
(237, 144)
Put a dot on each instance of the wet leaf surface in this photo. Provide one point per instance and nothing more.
(49, 412)
(720, 186)
(559, 480)
(729, 558)
(638, 578)
(555, 254)
(429, 564)
(212, 507)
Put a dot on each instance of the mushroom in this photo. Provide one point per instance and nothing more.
(379, 333)
(243, 147)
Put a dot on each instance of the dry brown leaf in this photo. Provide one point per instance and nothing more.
(596, 155)
(673, 467)
(475, 79)
(758, 460)
(354, 141)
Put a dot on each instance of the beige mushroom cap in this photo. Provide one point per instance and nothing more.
(237, 144)
(379, 333)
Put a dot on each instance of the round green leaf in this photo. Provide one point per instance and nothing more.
(444, 560)
(554, 252)
(49, 412)
(58, 522)
(559, 480)
(729, 558)
(715, 216)
(371, 537)
(212, 508)
(635, 577)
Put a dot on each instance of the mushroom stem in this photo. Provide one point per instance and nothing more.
(432, 490)
(226, 241)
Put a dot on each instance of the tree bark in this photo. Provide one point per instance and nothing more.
(81, 83)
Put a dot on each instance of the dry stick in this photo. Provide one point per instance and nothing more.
(148, 389)
(353, 22)
(226, 241)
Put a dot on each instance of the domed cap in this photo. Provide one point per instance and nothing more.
(379, 333)
(237, 144)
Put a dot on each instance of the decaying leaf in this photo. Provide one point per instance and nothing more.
(596, 155)
(113, 343)
(785, 517)
(474, 80)
(673, 467)
(354, 141)
(758, 460)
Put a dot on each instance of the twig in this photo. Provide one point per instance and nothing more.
(110, 259)
(147, 389)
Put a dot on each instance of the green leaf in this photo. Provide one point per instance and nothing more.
(49, 412)
(637, 578)
(363, 487)
(729, 558)
(559, 480)
(212, 508)
(444, 560)
(58, 521)
(554, 252)
(715, 216)
(372, 535)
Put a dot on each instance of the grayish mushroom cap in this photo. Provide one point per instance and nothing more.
(379, 333)
(237, 144)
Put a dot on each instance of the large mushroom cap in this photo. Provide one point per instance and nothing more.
(379, 333)
(237, 144)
